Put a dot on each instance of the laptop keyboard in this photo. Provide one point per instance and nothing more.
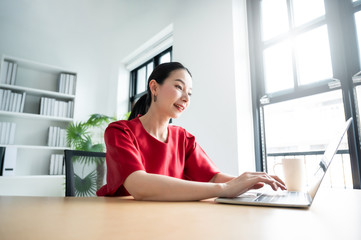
(290, 197)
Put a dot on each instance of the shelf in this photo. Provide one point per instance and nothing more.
(33, 185)
(35, 116)
(38, 92)
(41, 84)
(36, 147)
(34, 177)
(24, 63)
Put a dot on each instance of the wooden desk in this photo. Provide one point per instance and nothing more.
(333, 215)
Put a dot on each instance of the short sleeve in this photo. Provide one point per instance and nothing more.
(198, 166)
(122, 157)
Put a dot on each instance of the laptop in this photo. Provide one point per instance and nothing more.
(293, 199)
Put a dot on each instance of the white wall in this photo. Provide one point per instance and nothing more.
(209, 38)
(203, 41)
(76, 35)
(92, 37)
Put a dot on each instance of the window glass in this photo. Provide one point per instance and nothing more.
(150, 67)
(313, 56)
(307, 10)
(303, 124)
(358, 102)
(306, 125)
(278, 71)
(274, 18)
(141, 80)
(164, 58)
(358, 30)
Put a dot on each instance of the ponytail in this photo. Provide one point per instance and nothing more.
(141, 106)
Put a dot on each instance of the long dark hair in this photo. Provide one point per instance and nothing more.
(159, 74)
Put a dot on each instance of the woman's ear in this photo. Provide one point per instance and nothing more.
(153, 86)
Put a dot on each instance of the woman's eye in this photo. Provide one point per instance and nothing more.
(179, 87)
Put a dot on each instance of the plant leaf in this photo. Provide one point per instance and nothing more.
(96, 120)
(87, 160)
(97, 148)
(85, 187)
(87, 145)
(76, 134)
(126, 116)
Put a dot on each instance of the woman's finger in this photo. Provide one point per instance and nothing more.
(278, 179)
(271, 182)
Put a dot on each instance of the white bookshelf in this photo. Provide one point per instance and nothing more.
(36, 147)
(38, 92)
(34, 116)
(37, 81)
(36, 185)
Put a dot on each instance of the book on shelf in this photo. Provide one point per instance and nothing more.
(4, 70)
(56, 137)
(56, 108)
(12, 101)
(9, 162)
(8, 73)
(56, 164)
(66, 83)
(2, 154)
(7, 132)
(13, 74)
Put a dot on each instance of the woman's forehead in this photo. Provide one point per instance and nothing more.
(181, 76)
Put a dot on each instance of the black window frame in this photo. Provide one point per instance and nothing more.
(339, 19)
(133, 96)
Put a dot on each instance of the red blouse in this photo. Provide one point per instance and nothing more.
(130, 148)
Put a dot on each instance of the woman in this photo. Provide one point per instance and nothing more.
(152, 160)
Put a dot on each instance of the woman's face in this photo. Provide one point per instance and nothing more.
(173, 96)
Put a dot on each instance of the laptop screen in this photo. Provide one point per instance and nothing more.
(327, 158)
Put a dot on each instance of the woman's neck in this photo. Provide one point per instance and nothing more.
(155, 125)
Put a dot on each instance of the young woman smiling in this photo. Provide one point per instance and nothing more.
(152, 160)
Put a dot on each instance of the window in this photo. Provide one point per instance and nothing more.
(139, 76)
(305, 81)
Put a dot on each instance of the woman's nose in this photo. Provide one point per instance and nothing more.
(185, 97)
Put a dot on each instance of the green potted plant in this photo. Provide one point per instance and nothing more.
(80, 136)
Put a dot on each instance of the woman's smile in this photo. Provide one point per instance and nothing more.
(179, 107)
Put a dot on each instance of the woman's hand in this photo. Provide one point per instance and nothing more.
(250, 180)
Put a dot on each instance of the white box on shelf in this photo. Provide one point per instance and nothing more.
(9, 161)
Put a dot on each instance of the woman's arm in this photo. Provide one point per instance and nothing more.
(221, 178)
(145, 186)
